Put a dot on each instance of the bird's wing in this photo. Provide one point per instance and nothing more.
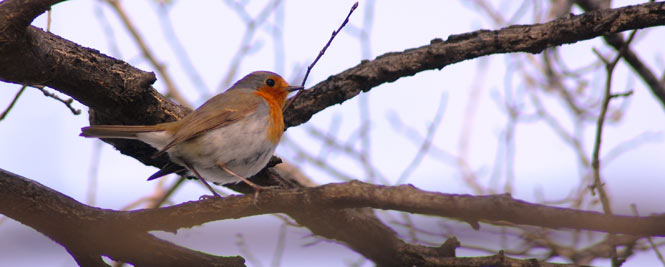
(166, 170)
(119, 131)
(219, 111)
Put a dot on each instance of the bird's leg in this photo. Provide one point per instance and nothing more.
(202, 180)
(256, 187)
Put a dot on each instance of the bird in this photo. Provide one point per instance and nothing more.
(227, 139)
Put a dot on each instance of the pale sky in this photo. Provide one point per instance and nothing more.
(39, 138)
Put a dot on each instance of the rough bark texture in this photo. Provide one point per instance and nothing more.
(88, 232)
(438, 54)
(116, 91)
(616, 40)
(336, 211)
(121, 94)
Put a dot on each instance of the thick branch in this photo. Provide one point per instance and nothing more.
(88, 233)
(121, 94)
(492, 208)
(616, 40)
(82, 73)
(18, 14)
(118, 92)
(123, 234)
(519, 38)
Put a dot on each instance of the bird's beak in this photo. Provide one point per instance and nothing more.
(294, 88)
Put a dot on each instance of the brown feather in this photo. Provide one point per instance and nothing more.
(210, 116)
(120, 131)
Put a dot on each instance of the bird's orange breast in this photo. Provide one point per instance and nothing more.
(276, 127)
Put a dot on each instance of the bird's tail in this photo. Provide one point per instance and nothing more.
(119, 131)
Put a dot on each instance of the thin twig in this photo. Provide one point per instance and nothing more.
(325, 47)
(172, 91)
(246, 46)
(107, 29)
(302, 154)
(245, 251)
(632, 143)
(334, 33)
(156, 198)
(48, 20)
(595, 158)
(159, 202)
(558, 128)
(93, 173)
(616, 40)
(331, 144)
(328, 141)
(427, 142)
(653, 245)
(67, 102)
(470, 110)
(572, 138)
(281, 244)
(495, 16)
(364, 131)
(179, 50)
(11, 105)
(467, 174)
(624, 94)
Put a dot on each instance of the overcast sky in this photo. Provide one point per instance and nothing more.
(39, 139)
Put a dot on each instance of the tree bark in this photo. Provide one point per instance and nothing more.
(121, 94)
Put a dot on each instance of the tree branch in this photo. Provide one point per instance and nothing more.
(616, 40)
(18, 14)
(123, 235)
(519, 38)
(118, 92)
(121, 94)
(88, 232)
(406, 198)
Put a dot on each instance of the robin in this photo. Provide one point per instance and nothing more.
(230, 137)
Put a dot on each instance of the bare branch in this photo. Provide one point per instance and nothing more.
(18, 14)
(77, 226)
(67, 102)
(11, 104)
(355, 194)
(325, 47)
(171, 89)
(651, 243)
(520, 38)
(427, 142)
(121, 94)
(615, 40)
(323, 51)
(179, 50)
(246, 46)
(42, 208)
(595, 158)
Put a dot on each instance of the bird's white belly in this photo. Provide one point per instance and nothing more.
(242, 147)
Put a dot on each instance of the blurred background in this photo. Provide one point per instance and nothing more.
(517, 123)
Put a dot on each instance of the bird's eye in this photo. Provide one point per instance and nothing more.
(270, 82)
